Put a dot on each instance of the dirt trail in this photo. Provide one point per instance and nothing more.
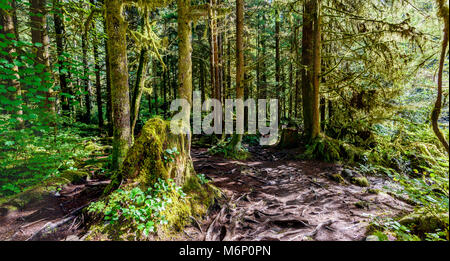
(273, 197)
(56, 216)
(268, 197)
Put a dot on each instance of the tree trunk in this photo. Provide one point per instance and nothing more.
(86, 82)
(108, 87)
(98, 88)
(39, 38)
(138, 88)
(237, 138)
(278, 61)
(7, 21)
(311, 47)
(117, 50)
(59, 33)
(443, 12)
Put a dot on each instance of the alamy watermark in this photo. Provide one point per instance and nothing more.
(265, 115)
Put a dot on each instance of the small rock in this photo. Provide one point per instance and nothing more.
(72, 238)
(372, 238)
(346, 173)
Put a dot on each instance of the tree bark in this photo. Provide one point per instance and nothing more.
(237, 138)
(7, 21)
(138, 88)
(311, 47)
(443, 13)
(108, 87)
(59, 34)
(39, 38)
(86, 82)
(116, 31)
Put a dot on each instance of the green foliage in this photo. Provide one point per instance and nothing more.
(28, 156)
(223, 148)
(323, 148)
(203, 179)
(142, 209)
(169, 155)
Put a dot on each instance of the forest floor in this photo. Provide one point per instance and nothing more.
(270, 196)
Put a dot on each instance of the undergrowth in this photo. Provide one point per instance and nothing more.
(29, 156)
(141, 210)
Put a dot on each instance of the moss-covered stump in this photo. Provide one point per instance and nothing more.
(290, 138)
(157, 154)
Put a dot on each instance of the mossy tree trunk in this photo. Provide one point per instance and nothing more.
(116, 31)
(138, 88)
(39, 38)
(7, 21)
(237, 138)
(184, 50)
(444, 14)
(311, 47)
(108, 86)
(59, 34)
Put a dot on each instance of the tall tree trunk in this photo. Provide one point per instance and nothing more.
(311, 61)
(278, 60)
(140, 81)
(7, 22)
(108, 86)
(298, 81)
(444, 14)
(237, 138)
(59, 34)
(263, 62)
(98, 87)
(39, 38)
(155, 86)
(184, 51)
(138, 88)
(117, 50)
(86, 82)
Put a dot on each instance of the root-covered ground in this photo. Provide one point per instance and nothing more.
(271, 196)
(274, 197)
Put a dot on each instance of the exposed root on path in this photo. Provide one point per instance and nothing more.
(274, 197)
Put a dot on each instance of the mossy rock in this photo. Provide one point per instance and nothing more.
(337, 177)
(75, 176)
(423, 222)
(360, 181)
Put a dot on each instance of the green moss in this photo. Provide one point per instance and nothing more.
(373, 191)
(360, 181)
(362, 204)
(74, 176)
(337, 177)
(143, 166)
(144, 162)
(33, 194)
(323, 148)
(423, 222)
